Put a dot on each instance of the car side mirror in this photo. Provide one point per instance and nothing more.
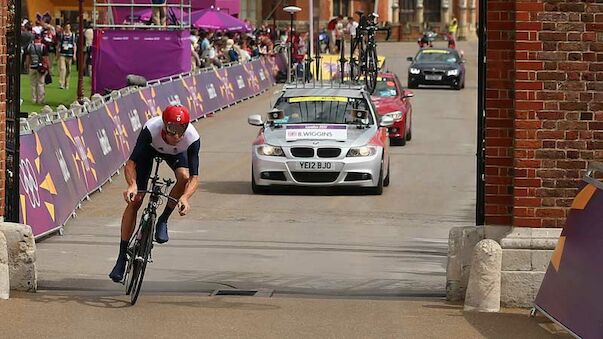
(255, 120)
(386, 121)
(408, 94)
(409, 59)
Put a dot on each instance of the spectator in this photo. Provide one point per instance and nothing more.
(243, 50)
(89, 37)
(204, 43)
(27, 37)
(230, 51)
(213, 57)
(255, 51)
(331, 28)
(159, 18)
(351, 27)
(196, 61)
(303, 44)
(451, 41)
(67, 52)
(453, 28)
(339, 37)
(37, 61)
(49, 39)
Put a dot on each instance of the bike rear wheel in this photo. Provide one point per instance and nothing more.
(355, 62)
(141, 260)
(371, 69)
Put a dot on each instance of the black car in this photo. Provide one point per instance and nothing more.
(437, 66)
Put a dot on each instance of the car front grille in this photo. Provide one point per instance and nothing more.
(302, 152)
(436, 72)
(315, 177)
(328, 152)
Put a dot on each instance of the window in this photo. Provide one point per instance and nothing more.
(431, 12)
(341, 7)
(407, 10)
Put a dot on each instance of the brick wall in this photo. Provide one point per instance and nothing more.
(539, 148)
(3, 23)
(499, 112)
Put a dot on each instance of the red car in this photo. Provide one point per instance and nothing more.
(391, 99)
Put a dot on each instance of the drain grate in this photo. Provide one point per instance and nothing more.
(243, 293)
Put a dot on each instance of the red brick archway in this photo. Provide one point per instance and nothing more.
(544, 107)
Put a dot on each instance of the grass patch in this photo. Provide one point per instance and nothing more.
(54, 95)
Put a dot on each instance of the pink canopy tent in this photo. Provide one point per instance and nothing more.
(214, 19)
(121, 14)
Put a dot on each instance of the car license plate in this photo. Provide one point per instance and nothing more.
(315, 166)
(433, 77)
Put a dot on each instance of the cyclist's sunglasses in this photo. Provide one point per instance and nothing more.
(175, 129)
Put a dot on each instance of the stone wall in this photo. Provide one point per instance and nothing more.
(526, 253)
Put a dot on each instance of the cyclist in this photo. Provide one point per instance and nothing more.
(172, 138)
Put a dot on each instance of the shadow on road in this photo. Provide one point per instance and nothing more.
(244, 188)
(514, 325)
(100, 301)
(220, 303)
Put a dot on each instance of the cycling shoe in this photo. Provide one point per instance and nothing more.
(161, 232)
(117, 274)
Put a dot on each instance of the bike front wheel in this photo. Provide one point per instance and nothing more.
(371, 69)
(141, 260)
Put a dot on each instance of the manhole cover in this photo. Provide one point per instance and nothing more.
(243, 293)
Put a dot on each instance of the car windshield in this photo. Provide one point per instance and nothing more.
(322, 110)
(436, 56)
(386, 88)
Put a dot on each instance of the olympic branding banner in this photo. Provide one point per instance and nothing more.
(62, 163)
(570, 293)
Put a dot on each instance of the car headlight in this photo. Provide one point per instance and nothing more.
(270, 150)
(363, 151)
(396, 115)
(413, 70)
(453, 72)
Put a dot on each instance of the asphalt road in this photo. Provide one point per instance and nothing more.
(323, 243)
(337, 264)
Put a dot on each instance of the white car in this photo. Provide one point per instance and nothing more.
(321, 136)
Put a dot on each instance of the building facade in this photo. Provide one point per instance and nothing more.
(408, 17)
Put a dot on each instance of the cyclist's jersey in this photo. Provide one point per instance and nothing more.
(150, 143)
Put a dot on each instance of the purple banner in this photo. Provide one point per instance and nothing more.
(571, 288)
(61, 164)
(152, 54)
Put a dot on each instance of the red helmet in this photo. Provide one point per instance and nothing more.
(175, 119)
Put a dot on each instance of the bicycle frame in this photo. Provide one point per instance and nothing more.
(367, 63)
(141, 241)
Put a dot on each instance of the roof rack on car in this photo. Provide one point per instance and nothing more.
(309, 80)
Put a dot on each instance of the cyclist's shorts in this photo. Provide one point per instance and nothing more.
(144, 165)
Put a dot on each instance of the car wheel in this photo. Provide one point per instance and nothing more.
(386, 180)
(255, 188)
(457, 86)
(378, 190)
(409, 134)
(397, 141)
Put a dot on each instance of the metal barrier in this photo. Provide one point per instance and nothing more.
(68, 154)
